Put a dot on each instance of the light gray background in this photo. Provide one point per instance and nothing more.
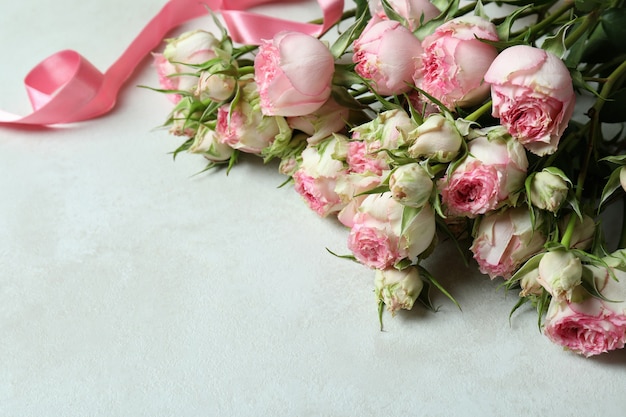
(131, 287)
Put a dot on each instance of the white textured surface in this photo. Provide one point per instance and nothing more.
(130, 287)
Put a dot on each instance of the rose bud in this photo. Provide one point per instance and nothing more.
(560, 272)
(195, 47)
(294, 73)
(215, 87)
(436, 139)
(533, 95)
(385, 55)
(455, 60)
(315, 179)
(412, 11)
(504, 240)
(386, 129)
(529, 284)
(398, 289)
(548, 190)
(206, 142)
(242, 126)
(411, 185)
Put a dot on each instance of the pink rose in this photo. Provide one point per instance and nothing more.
(376, 238)
(454, 61)
(490, 176)
(532, 95)
(385, 54)
(315, 179)
(351, 188)
(413, 11)
(294, 73)
(242, 126)
(361, 161)
(591, 326)
(504, 241)
(196, 47)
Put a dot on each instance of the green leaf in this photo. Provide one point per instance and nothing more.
(614, 109)
(182, 148)
(520, 302)
(376, 190)
(408, 214)
(614, 25)
(529, 265)
(343, 42)
(349, 257)
(504, 28)
(615, 159)
(543, 302)
(611, 186)
(381, 309)
(449, 8)
(556, 43)
(428, 277)
(589, 284)
(424, 297)
(391, 13)
(479, 10)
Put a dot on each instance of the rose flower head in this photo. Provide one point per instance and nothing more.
(385, 55)
(455, 60)
(533, 96)
(294, 73)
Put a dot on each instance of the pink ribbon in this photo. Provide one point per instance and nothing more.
(66, 87)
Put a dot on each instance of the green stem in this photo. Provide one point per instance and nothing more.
(611, 80)
(593, 137)
(589, 20)
(622, 240)
(475, 115)
(547, 22)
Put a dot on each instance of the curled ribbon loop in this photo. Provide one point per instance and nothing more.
(66, 87)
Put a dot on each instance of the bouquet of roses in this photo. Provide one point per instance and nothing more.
(424, 121)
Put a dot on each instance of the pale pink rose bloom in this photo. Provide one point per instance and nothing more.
(532, 95)
(591, 326)
(360, 160)
(195, 47)
(242, 126)
(376, 238)
(490, 176)
(317, 175)
(294, 73)
(504, 241)
(413, 11)
(385, 55)
(350, 188)
(328, 119)
(455, 60)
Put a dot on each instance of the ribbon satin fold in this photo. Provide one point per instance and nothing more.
(66, 87)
